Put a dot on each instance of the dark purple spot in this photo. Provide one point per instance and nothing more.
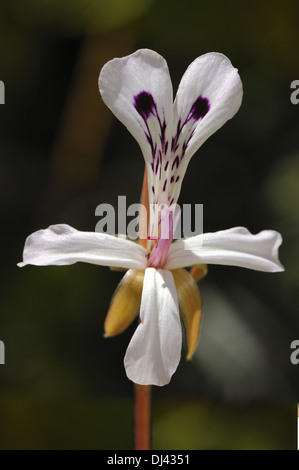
(177, 179)
(144, 104)
(172, 179)
(199, 109)
(166, 165)
(165, 183)
(153, 189)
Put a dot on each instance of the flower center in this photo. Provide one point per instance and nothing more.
(168, 223)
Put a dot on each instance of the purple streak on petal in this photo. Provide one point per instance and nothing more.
(157, 166)
(172, 179)
(164, 186)
(174, 141)
(177, 178)
(166, 165)
(175, 162)
(184, 148)
(163, 129)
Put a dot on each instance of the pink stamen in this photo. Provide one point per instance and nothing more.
(160, 250)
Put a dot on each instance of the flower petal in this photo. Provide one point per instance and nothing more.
(155, 349)
(63, 245)
(138, 90)
(209, 94)
(125, 304)
(190, 303)
(234, 247)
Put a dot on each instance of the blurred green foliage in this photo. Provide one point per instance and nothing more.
(62, 153)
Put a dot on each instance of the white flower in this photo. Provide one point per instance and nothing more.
(138, 90)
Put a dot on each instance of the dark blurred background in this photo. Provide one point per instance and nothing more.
(62, 153)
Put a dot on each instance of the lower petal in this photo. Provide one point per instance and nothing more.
(154, 351)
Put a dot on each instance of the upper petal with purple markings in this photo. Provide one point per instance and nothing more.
(210, 93)
(138, 90)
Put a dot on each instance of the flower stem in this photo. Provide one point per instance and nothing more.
(142, 393)
(142, 417)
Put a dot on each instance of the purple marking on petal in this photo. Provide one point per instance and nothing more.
(157, 166)
(177, 178)
(175, 162)
(184, 148)
(150, 141)
(153, 189)
(172, 179)
(166, 165)
(174, 141)
(144, 104)
(163, 129)
(199, 109)
(165, 183)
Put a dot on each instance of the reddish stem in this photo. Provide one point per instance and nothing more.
(142, 395)
(142, 417)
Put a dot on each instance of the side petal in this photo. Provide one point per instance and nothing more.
(138, 90)
(64, 245)
(125, 303)
(234, 247)
(190, 303)
(155, 349)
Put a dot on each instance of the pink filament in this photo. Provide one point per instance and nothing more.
(160, 250)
